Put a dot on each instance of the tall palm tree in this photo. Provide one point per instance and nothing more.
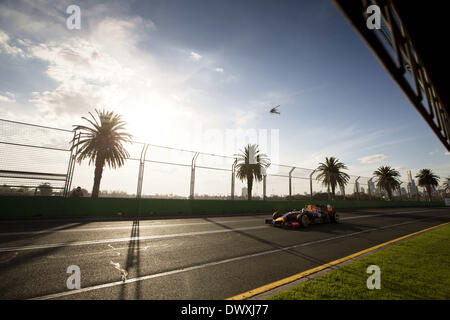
(331, 174)
(387, 179)
(250, 165)
(427, 179)
(101, 143)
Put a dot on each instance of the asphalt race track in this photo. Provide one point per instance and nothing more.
(190, 258)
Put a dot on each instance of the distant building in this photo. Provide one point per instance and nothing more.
(403, 191)
(362, 190)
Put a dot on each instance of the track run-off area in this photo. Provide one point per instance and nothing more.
(186, 258)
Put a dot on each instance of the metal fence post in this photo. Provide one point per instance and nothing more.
(357, 187)
(141, 171)
(369, 189)
(233, 177)
(310, 185)
(264, 187)
(191, 193)
(264, 174)
(72, 167)
(290, 183)
(69, 167)
(342, 187)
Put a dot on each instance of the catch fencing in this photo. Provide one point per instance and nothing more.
(39, 160)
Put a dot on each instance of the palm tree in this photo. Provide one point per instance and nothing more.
(250, 166)
(446, 185)
(387, 179)
(331, 175)
(102, 143)
(427, 179)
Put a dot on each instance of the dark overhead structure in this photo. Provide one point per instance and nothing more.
(410, 45)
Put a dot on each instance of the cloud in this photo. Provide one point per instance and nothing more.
(220, 70)
(34, 17)
(7, 97)
(7, 47)
(195, 56)
(69, 98)
(435, 151)
(373, 158)
(447, 153)
(78, 59)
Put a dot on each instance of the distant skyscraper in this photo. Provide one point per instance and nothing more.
(411, 186)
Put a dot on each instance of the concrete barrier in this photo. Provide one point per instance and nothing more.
(23, 207)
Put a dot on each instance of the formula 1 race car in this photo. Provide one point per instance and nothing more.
(311, 214)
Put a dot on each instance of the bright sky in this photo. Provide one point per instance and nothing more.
(187, 73)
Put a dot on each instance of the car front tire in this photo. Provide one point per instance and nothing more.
(276, 214)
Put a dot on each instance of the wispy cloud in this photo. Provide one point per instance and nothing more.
(195, 56)
(373, 158)
(220, 70)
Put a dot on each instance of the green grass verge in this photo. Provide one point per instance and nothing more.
(417, 268)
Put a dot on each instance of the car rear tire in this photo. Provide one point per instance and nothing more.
(304, 220)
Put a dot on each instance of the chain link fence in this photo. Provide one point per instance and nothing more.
(37, 160)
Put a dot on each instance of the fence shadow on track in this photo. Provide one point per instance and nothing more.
(133, 262)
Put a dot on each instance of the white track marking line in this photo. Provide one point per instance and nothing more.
(382, 214)
(89, 242)
(53, 230)
(215, 263)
